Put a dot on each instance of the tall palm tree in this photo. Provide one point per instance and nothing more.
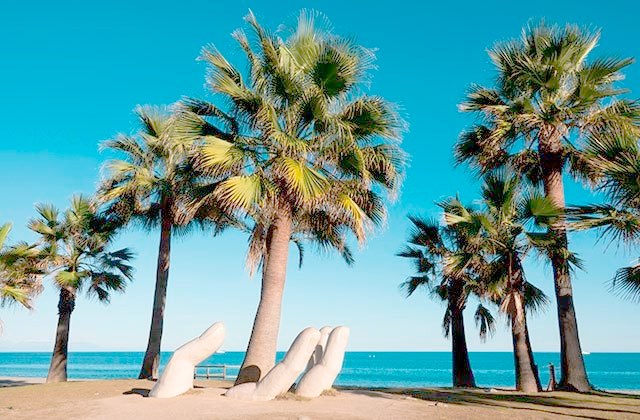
(445, 261)
(501, 221)
(548, 100)
(19, 271)
(298, 144)
(147, 186)
(74, 250)
(617, 158)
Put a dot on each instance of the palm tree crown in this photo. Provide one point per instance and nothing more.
(617, 159)
(74, 249)
(19, 271)
(298, 138)
(150, 177)
(509, 223)
(548, 98)
(442, 256)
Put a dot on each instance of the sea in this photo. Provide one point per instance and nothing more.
(607, 371)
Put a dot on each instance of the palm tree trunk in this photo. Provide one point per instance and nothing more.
(151, 360)
(58, 366)
(261, 352)
(462, 373)
(573, 374)
(527, 379)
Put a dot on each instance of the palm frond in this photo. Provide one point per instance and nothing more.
(302, 179)
(4, 232)
(534, 298)
(626, 283)
(446, 323)
(241, 192)
(484, 321)
(414, 283)
(539, 209)
(614, 223)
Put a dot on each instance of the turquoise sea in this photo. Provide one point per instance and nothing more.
(609, 371)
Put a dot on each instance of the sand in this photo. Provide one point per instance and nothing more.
(125, 399)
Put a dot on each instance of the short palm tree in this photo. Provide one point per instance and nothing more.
(506, 210)
(74, 253)
(548, 101)
(147, 186)
(445, 262)
(19, 272)
(299, 149)
(617, 158)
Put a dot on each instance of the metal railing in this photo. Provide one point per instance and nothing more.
(207, 374)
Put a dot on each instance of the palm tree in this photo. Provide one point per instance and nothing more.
(19, 272)
(501, 222)
(617, 158)
(549, 99)
(147, 186)
(298, 146)
(74, 253)
(445, 262)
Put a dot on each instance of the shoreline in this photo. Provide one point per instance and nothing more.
(13, 381)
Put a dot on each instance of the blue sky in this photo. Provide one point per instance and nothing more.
(72, 72)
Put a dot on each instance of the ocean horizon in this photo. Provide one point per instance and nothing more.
(607, 371)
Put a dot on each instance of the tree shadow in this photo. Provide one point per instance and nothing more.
(250, 373)
(546, 402)
(370, 393)
(616, 395)
(9, 383)
(139, 391)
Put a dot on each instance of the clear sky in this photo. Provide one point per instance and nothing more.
(72, 72)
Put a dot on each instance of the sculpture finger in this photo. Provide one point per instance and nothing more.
(322, 376)
(177, 377)
(283, 375)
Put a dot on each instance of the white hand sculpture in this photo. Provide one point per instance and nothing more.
(323, 374)
(283, 375)
(177, 377)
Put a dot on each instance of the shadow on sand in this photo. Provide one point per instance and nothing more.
(608, 404)
(140, 391)
(145, 391)
(8, 383)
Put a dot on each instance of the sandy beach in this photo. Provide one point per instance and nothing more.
(28, 398)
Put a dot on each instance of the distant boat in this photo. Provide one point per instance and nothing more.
(220, 352)
(586, 353)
